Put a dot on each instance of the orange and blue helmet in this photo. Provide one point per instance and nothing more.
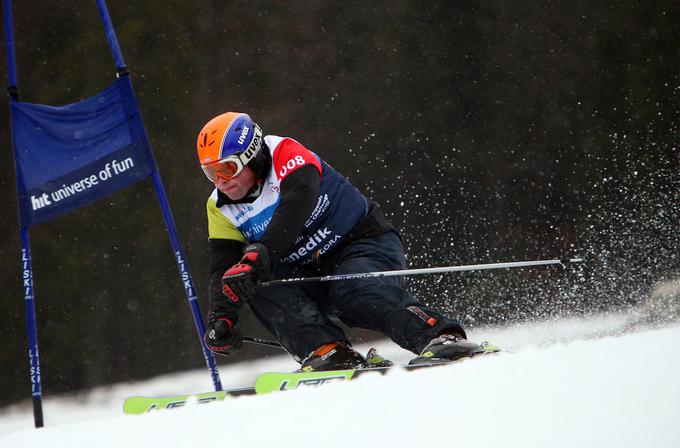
(227, 143)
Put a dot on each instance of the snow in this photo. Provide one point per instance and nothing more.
(564, 383)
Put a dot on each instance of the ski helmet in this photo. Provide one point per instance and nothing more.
(227, 143)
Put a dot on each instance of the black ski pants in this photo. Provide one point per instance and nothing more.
(298, 314)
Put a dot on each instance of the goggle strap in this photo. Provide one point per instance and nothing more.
(257, 138)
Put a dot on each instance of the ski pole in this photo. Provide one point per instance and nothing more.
(438, 270)
(259, 341)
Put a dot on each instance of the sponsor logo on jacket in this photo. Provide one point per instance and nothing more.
(317, 240)
(321, 206)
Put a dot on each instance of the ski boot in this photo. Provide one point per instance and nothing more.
(333, 356)
(449, 348)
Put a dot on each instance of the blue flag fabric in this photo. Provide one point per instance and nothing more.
(70, 156)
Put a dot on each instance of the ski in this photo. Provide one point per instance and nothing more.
(142, 405)
(265, 383)
(275, 382)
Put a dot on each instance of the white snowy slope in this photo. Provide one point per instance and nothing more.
(561, 386)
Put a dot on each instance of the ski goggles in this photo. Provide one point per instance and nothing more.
(231, 166)
(227, 168)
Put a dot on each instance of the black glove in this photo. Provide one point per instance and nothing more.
(222, 336)
(240, 280)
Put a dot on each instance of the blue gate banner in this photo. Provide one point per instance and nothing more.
(70, 156)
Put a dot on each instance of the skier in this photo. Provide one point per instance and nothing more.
(279, 211)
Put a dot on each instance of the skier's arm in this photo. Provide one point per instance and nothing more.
(223, 254)
(299, 195)
(222, 334)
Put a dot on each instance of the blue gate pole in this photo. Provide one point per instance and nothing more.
(9, 41)
(186, 277)
(111, 35)
(27, 271)
(29, 302)
(165, 208)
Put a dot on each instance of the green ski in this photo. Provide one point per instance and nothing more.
(142, 405)
(275, 382)
(265, 383)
